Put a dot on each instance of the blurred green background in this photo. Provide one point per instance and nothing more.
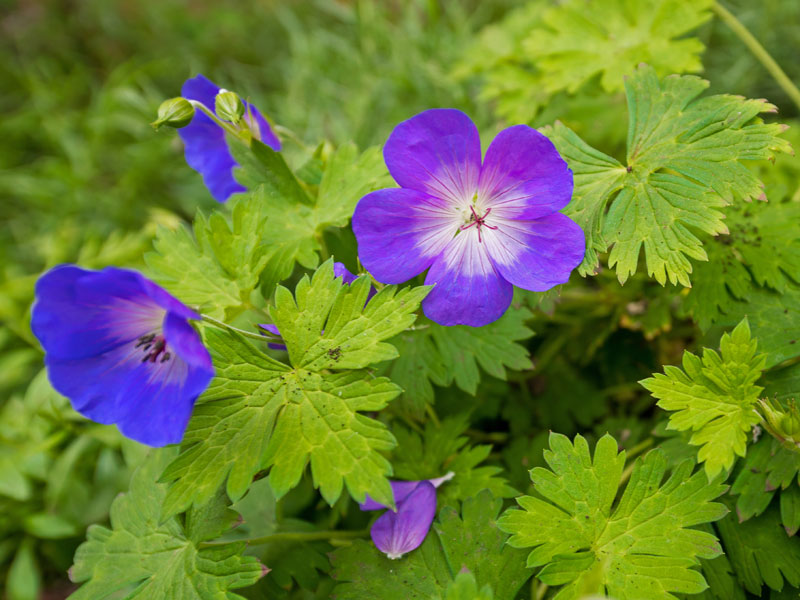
(84, 178)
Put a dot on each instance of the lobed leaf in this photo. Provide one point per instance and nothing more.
(714, 397)
(644, 546)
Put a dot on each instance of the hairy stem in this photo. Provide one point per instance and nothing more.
(294, 536)
(758, 51)
(250, 334)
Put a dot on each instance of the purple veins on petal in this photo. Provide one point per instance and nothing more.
(479, 228)
(122, 350)
(206, 149)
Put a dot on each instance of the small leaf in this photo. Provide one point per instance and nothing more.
(714, 397)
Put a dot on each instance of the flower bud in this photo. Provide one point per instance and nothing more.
(229, 106)
(175, 112)
(783, 423)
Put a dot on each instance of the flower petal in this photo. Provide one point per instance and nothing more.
(184, 341)
(536, 255)
(523, 175)
(401, 232)
(209, 153)
(80, 313)
(400, 491)
(469, 290)
(150, 402)
(397, 533)
(437, 152)
(339, 270)
(273, 329)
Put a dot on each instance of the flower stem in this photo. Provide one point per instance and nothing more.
(212, 115)
(250, 334)
(758, 51)
(293, 536)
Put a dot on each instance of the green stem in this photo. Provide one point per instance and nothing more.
(293, 536)
(758, 51)
(250, 334)
(639, 448)
(212, 115)
(432, 414)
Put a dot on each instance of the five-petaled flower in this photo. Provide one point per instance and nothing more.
(396, 533)
(480, 228)
(206, 150)
(122, 350)
(339, 270)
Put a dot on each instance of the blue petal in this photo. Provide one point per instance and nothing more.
(184, 341)
(150, 402)
(206, 149)
(397, 533)
(400, 491)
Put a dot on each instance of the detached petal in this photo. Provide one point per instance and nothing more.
(397, 533)
(401, 232)
(400, 491)
(523, 175)
(469, 289)
(536, 255)
(437, 152)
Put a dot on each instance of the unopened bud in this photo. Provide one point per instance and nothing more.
(175, 112)
(229, 106)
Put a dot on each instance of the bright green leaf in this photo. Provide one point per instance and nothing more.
(714, 397)
(644, 546)
(581, 38)
(683, 166)
(161, 559)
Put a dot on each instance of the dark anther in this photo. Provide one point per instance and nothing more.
(155, 347)
(629, 168)
(479, 221)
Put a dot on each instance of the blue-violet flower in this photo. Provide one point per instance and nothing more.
(479, 227)
(206, 149)
(122, 350)
(396, 533)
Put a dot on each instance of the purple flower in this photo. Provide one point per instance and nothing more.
(396, 533)
(339, 270)
(479, 228)
(206, 149)
(122, 350)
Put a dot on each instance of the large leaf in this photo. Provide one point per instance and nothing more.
(683, 165)
(161, 559)
(261, 414)
(641, 547)
(581, 38)
(714, 397)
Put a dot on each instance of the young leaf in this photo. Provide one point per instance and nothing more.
(161, 559)
(580, 39)
(261, 414)
(470, 541)
(714, 397)
(641, 547)
(684, 164)
(464, 587)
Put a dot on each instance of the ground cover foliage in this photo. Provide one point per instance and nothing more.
(630, 434)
